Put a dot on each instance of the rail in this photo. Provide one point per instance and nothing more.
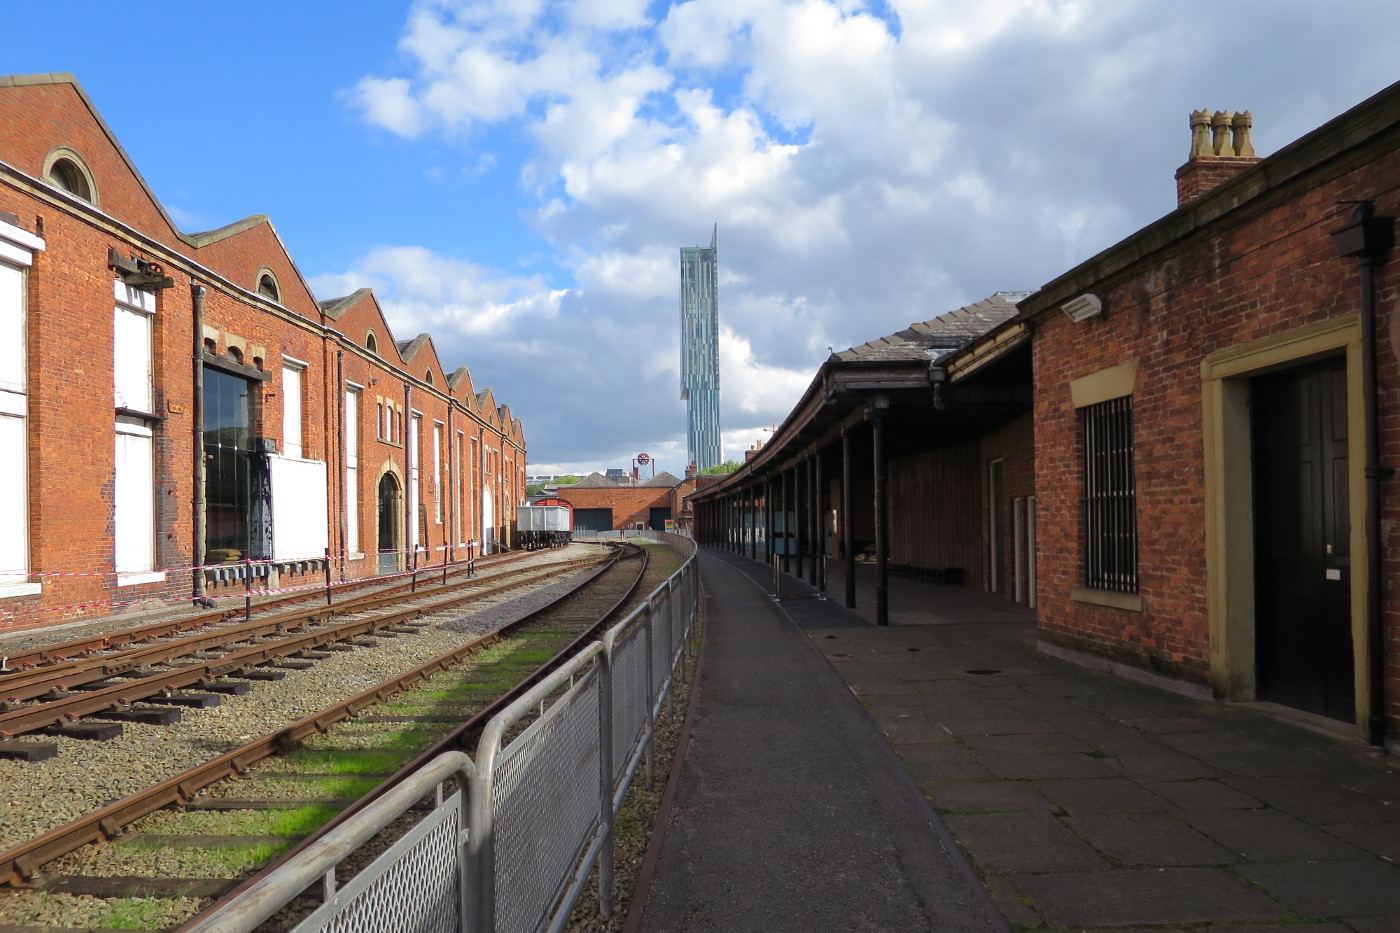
(541, 794)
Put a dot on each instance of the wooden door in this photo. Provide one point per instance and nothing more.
(1302, 559)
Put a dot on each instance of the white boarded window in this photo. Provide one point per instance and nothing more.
(299, 527)
(291, 410)
(14, 504)
(17, 248)
(13, 377)
(413, 423)
(457, 487)
(352, 471)
(131, 354)
(133, 488)
(437, 469)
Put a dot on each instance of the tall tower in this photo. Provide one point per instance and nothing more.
(700, 350)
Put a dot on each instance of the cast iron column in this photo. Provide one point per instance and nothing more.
(882, 580)
(847, 540)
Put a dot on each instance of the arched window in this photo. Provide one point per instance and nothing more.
(428, 377)
(65, 169)
(371, 344)
(267, 286)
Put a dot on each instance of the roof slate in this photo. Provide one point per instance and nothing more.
(594, 481)
(923, 339)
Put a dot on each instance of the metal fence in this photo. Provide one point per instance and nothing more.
(514, 833)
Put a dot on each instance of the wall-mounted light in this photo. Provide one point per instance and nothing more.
(1084, 307)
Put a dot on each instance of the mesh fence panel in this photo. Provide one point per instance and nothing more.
(546, 806)
(418, 891)
(631, 700)
(660, 652)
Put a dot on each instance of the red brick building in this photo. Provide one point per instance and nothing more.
(1217, 404)
(600, 504)
(178, 410)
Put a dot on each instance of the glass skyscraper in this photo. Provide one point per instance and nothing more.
(700, 350)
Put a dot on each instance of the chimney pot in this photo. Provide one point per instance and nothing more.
(1220, 124)
(1200, 134)
(1242, 124)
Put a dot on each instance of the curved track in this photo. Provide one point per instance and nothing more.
(21, 866)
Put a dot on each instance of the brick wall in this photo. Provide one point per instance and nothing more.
(70, 350)
(1253, 273)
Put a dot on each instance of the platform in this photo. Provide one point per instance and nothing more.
(841, 776)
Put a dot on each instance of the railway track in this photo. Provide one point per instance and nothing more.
(292, 778)
(190, 670)
(47, 654)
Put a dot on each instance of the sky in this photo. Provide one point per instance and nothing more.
(517, 177)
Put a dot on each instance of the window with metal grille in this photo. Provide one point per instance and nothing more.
(1110, 497)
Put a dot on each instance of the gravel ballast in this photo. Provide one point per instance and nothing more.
(86, 775)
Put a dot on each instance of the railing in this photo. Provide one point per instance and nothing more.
(541, 794)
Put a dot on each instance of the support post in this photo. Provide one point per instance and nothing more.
(882, 556)
(847, 542)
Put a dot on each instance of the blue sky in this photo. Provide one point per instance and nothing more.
(516, 177)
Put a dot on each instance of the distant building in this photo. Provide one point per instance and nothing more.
(700, 351)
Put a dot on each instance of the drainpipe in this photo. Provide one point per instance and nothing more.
(197, 429)
(454, 477)
(408, 464)
(1369, 239)
(480, 508)
(342, 455)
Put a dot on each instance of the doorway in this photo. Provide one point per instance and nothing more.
(390, 511)
(1304, 656)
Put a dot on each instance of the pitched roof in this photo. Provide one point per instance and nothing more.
(335, 307)
(593, 481)
(924, 339)
(661, 479)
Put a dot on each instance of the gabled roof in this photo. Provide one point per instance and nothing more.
(408, 349)
(662, 479)
(594, 481)
(335, 307)
(923, 339)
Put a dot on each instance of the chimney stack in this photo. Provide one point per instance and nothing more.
(1220, 150)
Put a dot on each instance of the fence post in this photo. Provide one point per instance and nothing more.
(247, 589)
(328, 576)
(605, 778)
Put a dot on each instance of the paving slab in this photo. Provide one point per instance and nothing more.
(1164, 766)
(1085, 802)
(1101, 795)
(985, 796)
(1039, 767)
(1202, 794)
(1381, 839)
(1269, 835)
(1024, 841)
(1365, 888)
(1145, 896)
(1148, 839)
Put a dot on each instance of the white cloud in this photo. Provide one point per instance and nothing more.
(751, 386)
(868, 164)
(420, 290)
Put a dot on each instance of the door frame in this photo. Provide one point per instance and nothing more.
(1228, 465)
(396, 520)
